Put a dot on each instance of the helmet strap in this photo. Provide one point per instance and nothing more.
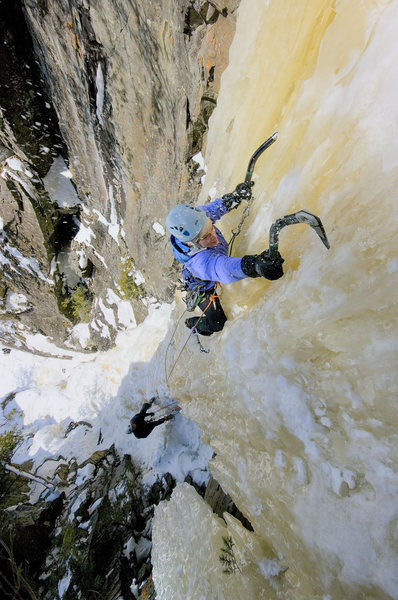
(194, 249)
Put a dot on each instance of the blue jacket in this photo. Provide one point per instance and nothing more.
(211, 264)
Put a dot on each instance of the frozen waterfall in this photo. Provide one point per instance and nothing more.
(297, 397)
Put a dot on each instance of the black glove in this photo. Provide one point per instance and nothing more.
(263, 265)
(241, 192)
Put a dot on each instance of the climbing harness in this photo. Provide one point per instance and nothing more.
(212, 299)
(248, 181)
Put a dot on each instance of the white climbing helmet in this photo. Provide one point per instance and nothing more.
(185, 222)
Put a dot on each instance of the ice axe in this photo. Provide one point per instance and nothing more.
(257, 153)
(302, 216)
(248, 181)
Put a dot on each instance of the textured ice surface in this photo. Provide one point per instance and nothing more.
(298, 394)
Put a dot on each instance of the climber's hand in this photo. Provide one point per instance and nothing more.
(241, 192)
(244, 190)
(263, 265)
(269, 267)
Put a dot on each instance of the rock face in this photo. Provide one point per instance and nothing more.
(123, 91)
(90, 531)
(25, 534)
(220, 503)
(95, 537)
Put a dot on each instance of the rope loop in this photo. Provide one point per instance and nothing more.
(212, 299)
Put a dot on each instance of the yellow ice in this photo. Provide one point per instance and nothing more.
(298, 395)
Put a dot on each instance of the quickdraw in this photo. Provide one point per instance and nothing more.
(193, 296)
(237, 230)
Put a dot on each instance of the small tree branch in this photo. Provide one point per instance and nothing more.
(35, 478)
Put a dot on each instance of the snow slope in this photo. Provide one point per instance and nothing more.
(102, 390)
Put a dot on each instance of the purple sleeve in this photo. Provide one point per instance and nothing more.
(216, 267)
(214, 210)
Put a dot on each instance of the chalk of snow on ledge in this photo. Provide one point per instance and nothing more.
(125, 313)
(81, 334)
(99, 99)
(112, 225)
(198, 158)
(108, 314)
(158, 228)
(58, 185)
(28, 263)
(16, 303)
(40, 343)
(84, 235)
(151, 301)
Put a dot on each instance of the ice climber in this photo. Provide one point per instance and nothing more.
(203, 250)
(142, 428)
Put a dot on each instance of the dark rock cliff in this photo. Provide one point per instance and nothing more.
(92, 540)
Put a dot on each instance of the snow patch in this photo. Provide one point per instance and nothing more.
(29, 264)
(84, 235)
(84, 474)
(15, 164)
(158, 228)
(41, 343)
(81, 333)
(58, 185)
(63, 584)
(108, 314)
(16, 302)
(112, 225)
(125, 313)
(99, 82)
(23, 183)
(269, 568)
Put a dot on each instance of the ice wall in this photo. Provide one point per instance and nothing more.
(298, 393)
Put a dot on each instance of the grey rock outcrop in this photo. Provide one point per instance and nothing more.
(124, 93)
(220, 503)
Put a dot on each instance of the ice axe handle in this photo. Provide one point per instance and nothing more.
(257, 153)
(274, 234)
